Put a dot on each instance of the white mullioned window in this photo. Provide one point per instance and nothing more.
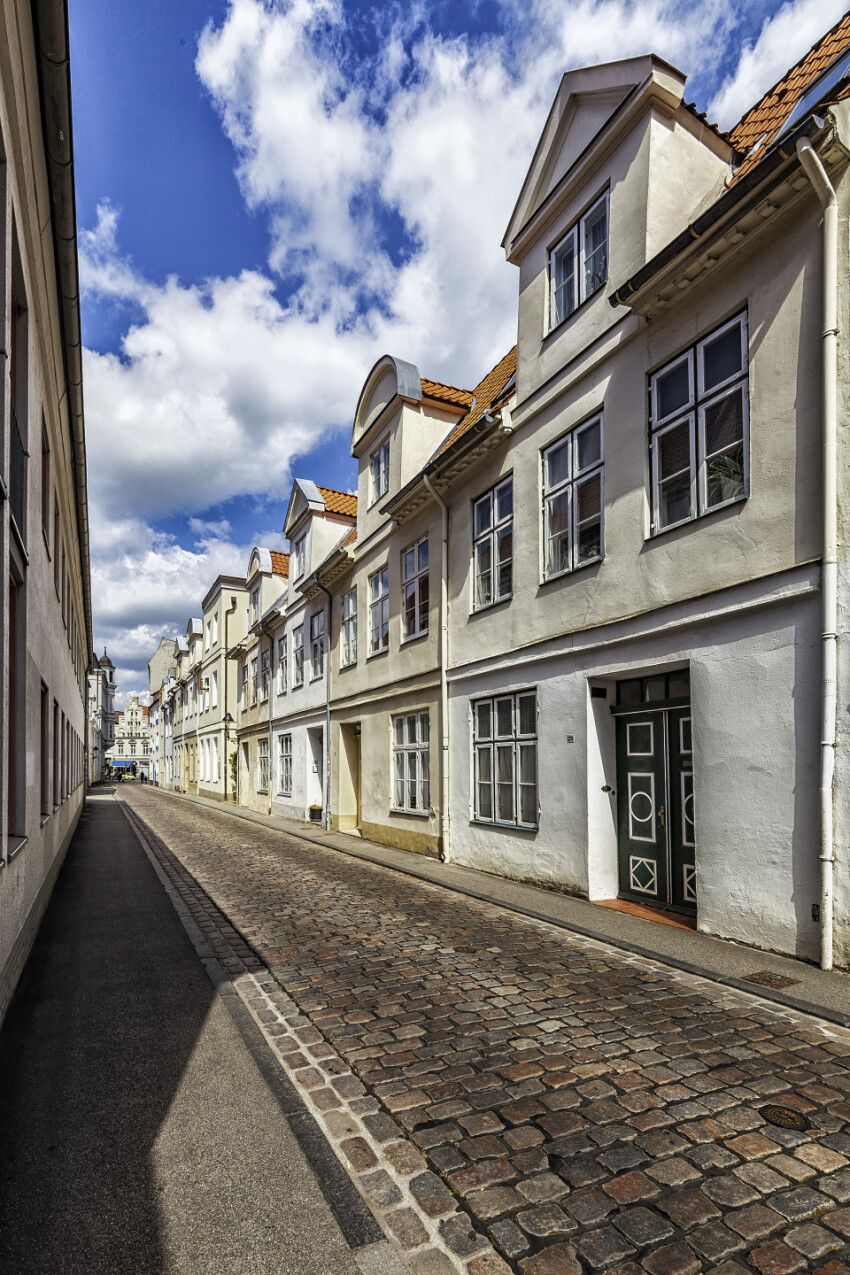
(317, 644)
(379, 466)
(262, 765)
(578, 264)
(255, 605)
(255, 678)
(209, 635)
(379, 611)
(573, 499)
(284, 765)
(265, 673)
(244, 683)
(699, 427)
(411, 763)
(504, 742)
(282, 667)
(349, 628)
(414, 589)
(298, 656)
(215, 629)
(298, 558)
(214, 689)
(493, 544)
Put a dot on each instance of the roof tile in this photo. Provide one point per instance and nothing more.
(339, 502)
(446, 393)
(280, 563)
(487, 393)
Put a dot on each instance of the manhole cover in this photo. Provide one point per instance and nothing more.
(785, 1117)
(767, 978)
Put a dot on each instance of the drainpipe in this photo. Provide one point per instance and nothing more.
(445, 831)
(268, 634)
(226, 670)
(327, 802)
(823, 188)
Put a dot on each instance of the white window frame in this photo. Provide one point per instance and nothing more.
(215, 629)
(379, 470)
(411, 763)
(208, 635)
(415, 582)
(569, 487)
(575, 241)
(497, 528)
(691, 415)
(255, 678)
(299, 557)
(284, 765)
(262, 765)
(245, 682)
(514, 745)
(379, 611)
(255, 605)
(265, 673)
(298, 656)
(214, 689)
(348, 644)
(282, 666)
(317, 645)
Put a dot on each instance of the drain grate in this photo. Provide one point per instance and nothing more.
(767, 978)
(785, 1117)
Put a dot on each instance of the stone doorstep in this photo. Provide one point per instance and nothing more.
(413, 1228)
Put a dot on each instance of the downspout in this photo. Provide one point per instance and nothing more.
(225, 669)
(445, 830)
(268, 634)
(825, 192)
(327, 801)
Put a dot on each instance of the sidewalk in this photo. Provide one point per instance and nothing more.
(137, 1133)
(808, 989)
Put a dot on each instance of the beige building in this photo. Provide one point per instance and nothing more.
(45, 600)
(130, 751)
(224, 622)
(100, 715)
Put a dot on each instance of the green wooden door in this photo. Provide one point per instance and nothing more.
(641, 807)
(680, 789)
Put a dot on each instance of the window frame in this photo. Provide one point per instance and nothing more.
(420, 610)
(317, 645)
(298, 656)
(415, 749)
(488, 745)
(299, 556)
(282, 665)
(570, 485)
(381, 600)
(576, 235)
(284, 760)
(265, 673)
(262, 765)
(691, 414)
(495, 529)
(348, 628)
(379, 471)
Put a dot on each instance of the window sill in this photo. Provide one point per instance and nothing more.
(344, 668)
(415, 814)
(376, 655)
(559, 327)
(317, 678)
(13, 845)
(571, 571)
(491, 606)
(700, 517)
(506, 827)
(47, 544)
(414, 637)
(45, 819)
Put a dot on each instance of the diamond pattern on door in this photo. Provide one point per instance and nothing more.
(689, 883)
(643, 875)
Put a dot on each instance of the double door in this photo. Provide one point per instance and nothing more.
(655, 806)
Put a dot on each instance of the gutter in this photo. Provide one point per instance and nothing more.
(445, 816)
(825, 192)
(50, 23)
(811, 129)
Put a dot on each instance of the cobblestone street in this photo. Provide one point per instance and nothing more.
(494, 1081)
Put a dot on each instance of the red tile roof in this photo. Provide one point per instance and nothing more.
(761, 123)
(280, 563)
(487, 393)
(339, 502)
(446, 393)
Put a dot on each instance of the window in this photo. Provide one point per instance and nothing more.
(282, 670)
(262, 765)
(56, 544)
(572, 499)
(298, 656)
(578, 265)
(255, 678)
(255, 605)
(493, 531)
(265, 670)
(298, 558)
(45, 482)
(411, 770)
(45, 750)
(244, 683)
(414, 589)
(699, 417)
(215, 761)
(284, 777)
(349, 628)
(208, 638)
(505, 759)
(379, 465)
(317, 644)
(379, 611)
(214, 687)
(215, 629)
(120, 749)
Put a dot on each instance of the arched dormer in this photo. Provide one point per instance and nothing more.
(390, 379)
(260, 561)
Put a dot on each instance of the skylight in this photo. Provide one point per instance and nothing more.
(826, 81)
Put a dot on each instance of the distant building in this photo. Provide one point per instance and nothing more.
(45, 592)
(131, 750)
(100, 715)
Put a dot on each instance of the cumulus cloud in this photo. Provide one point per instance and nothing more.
(386, 178)
(784, 38)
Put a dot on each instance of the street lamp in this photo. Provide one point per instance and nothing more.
(228, 722)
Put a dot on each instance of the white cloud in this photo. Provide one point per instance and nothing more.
(783, 39)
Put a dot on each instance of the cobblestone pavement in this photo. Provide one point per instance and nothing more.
(582, 1109)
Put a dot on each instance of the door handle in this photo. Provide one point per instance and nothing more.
(661, 816)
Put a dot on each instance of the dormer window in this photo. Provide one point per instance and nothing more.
(255, 605)
(578, 264)
(380, 467)
(298, 558)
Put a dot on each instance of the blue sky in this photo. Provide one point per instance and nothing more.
(273, 193)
